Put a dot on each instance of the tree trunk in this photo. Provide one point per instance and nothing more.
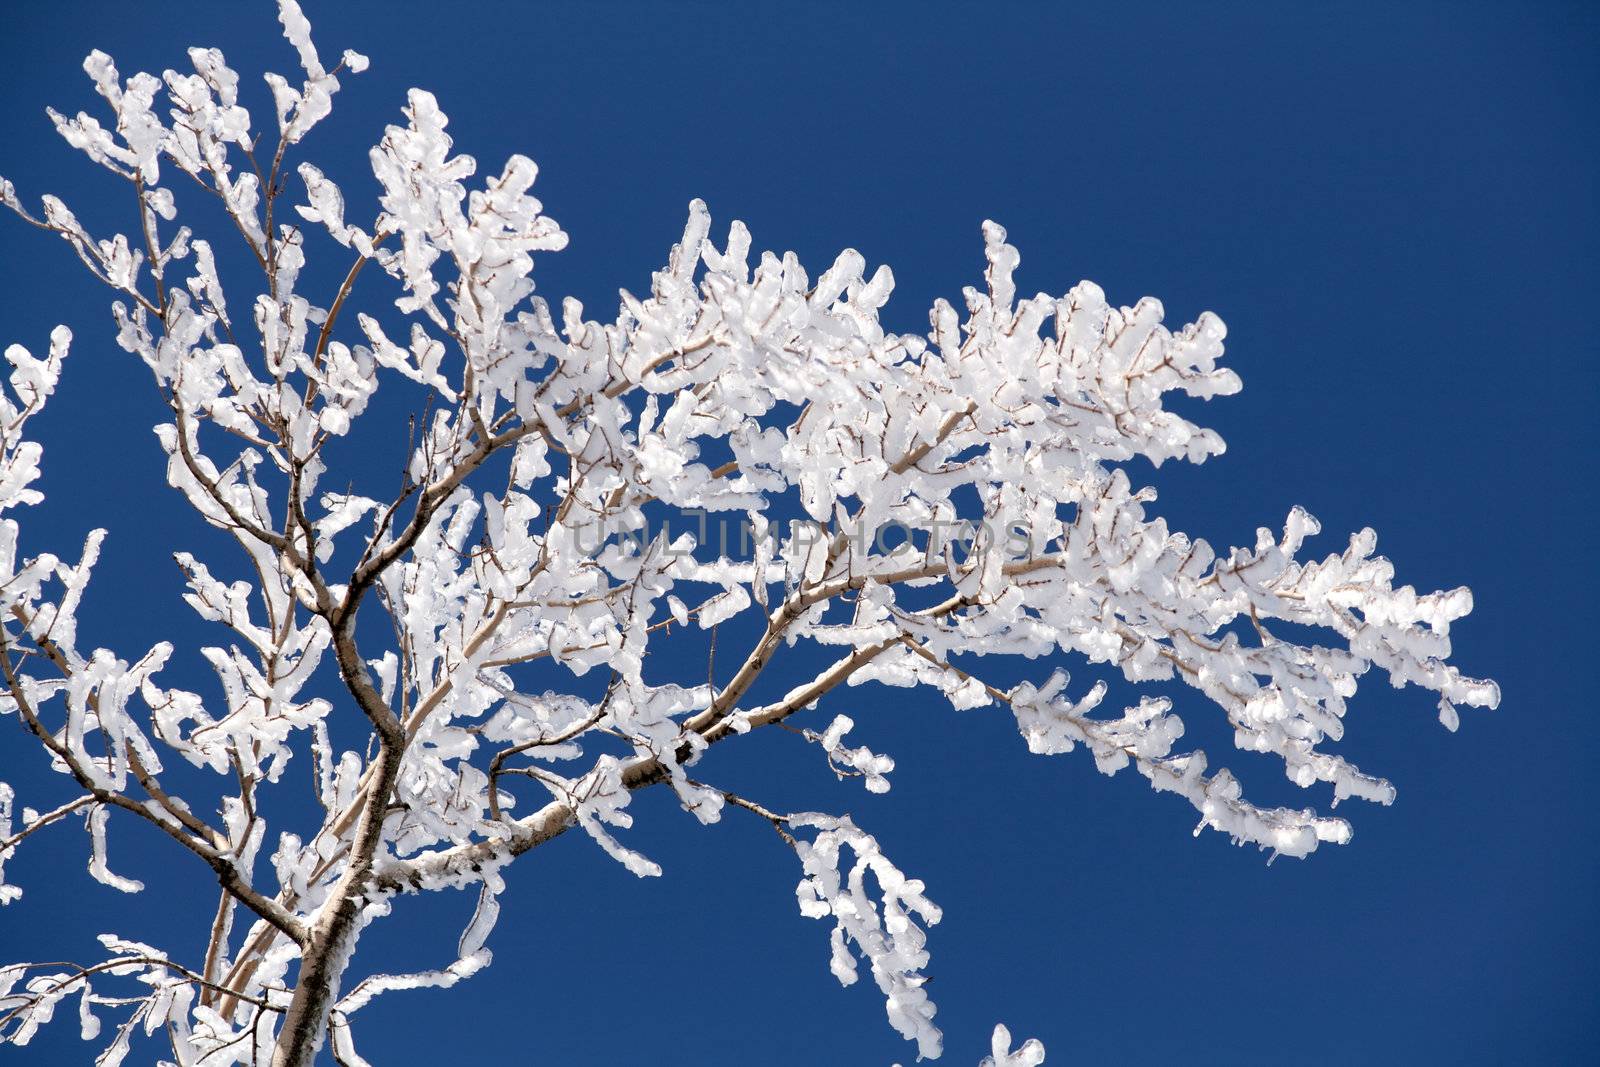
(333, 936)
(305, 1024)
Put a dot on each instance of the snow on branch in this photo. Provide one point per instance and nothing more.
(883, 932)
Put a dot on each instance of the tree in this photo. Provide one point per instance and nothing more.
(913, 504)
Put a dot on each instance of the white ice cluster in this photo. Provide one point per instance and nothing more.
(884, 932)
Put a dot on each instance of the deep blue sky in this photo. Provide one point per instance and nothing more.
(1392, 206)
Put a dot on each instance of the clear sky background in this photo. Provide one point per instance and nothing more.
(1392, 207)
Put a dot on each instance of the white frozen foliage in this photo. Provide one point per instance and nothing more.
(548, 448)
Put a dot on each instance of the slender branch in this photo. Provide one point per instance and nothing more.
(150, 249)
(82, 974)
(779, 822)
(219, 861)
(558, 816)
(44, 820)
